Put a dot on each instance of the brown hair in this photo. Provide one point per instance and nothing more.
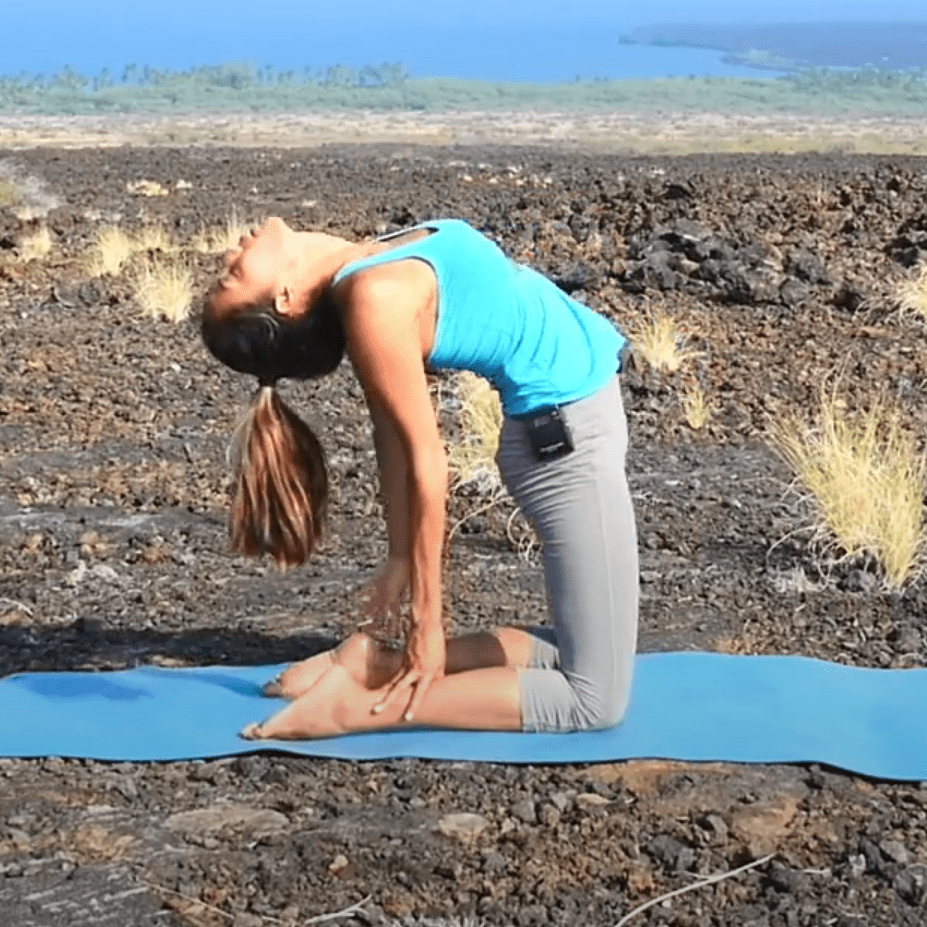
(280, 495)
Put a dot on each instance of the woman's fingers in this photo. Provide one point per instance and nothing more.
(418, 695)
(410, 684)
(424, 663)
(405, 679)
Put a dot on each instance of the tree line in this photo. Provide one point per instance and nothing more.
(243, 86)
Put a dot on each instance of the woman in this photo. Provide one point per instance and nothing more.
(289, 305)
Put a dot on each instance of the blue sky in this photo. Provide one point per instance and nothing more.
(90, 34)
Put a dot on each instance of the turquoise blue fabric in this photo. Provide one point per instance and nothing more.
(685, 706)
(536, 345)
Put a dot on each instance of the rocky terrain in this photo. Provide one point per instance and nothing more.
(113, 489)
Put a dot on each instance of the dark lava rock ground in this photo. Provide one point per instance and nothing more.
(113, 483)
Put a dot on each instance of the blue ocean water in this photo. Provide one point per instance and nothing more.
(538, 53)
(549, 54)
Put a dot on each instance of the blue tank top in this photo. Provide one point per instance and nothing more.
(535, 344)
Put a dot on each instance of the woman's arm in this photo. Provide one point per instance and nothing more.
(391, 461)
(384, 341)
(383, 595)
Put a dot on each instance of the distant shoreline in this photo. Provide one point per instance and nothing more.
(890, 46)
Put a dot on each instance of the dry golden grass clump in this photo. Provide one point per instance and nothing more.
(36, 246)
(110, 252)
(164, 289)
(660, 342)
(911, 294)
(866, 478)
(114, 247)
(695, 406)
(221, 239)
(10, 194)
(481, 421)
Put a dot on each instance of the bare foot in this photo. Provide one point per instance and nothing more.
(369, 664)
(315, 714)
(299, 677)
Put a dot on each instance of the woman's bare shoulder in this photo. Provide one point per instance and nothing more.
(401, 286)
(389, 301)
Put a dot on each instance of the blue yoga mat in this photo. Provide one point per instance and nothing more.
(686, 706)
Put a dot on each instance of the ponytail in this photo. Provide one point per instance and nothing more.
(280, 500)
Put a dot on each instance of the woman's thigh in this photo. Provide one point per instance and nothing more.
(581, 509)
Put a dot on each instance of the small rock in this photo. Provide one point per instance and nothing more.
(462, 825)
(76, 576)
(856, 865)
(784, 879)
(670, 852)
(895, 851)
(549, 815)
(494, 863)
(256, 821)
(911, 884)
(589, 801)
(530, 915)
(905, 640)
(717, 825)
(851, 920)
(338, 864)
(871, 854)
(861, 581)
(806, 266)
(793, 293)
(526, 811)
(102, 571)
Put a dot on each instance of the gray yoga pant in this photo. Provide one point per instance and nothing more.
(579, 674)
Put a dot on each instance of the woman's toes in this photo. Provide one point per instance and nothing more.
(251, 732)
(299, 678)
(274, 688)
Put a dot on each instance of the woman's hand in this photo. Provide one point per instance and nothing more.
(425, 657)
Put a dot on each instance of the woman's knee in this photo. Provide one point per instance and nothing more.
(553, 701)
(604, 710)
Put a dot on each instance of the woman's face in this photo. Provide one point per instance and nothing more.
(255, 268)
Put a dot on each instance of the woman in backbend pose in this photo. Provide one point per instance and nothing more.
(290, 304)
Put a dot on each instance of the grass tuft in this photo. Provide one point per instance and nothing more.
(10, 194)
(221, 239)
(474, 458)
(111, 250)
(36, 246)
(661, 342)
(695, 406)
(866, 479)
(911, 293)
(164, 289)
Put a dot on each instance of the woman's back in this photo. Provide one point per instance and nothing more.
(506, 322)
